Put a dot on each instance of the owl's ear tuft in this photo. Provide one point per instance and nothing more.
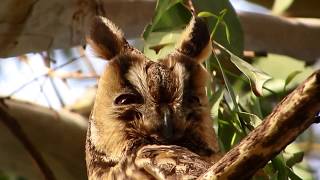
(106, 39)
(195, 41)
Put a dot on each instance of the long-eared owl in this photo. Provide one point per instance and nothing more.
(150, 119)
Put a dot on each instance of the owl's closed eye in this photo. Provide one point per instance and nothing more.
(150, 119)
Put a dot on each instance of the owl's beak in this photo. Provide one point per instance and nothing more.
(167, 129)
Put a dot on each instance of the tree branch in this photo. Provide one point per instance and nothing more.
(18, 35)
(281, 35)
(12, 124)
(291, 117)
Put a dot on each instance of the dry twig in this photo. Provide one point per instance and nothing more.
(44, 74)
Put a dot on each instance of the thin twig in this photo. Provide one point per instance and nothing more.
(73, 75)
(44, 74)
(12, 124)
(44, 93)
(25, 59)
(46, 58)
(87, 61)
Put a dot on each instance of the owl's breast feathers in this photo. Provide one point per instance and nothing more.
(150, 162)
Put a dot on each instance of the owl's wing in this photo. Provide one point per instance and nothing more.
(127, 170)
(170, 162)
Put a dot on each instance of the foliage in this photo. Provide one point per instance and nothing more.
(235, 108)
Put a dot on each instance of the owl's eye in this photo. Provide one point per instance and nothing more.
(126, 99)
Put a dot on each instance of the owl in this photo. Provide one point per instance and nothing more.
(151, 119)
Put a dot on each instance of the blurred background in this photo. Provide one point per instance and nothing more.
(48, 76)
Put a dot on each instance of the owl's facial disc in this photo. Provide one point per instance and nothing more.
(157, 100)
(161, 102)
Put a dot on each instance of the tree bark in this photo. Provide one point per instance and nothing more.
(15, 128)
(298, 38)
(290, 118)
(39, 25)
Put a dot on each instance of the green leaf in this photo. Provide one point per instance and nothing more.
(290, 77)
(257, 77)
(207, 14)
(292, 175)
(255, 105)
(233, 140)
(224, 122)
(236, 121)
(279, 164)
(294, 159)
(227, 33)
(233, 39)
(219, 20)
(160, 36)
(273, 65)
(227, 83)
(160, 44)
(214, 101)
(169, 14)
(253, 119)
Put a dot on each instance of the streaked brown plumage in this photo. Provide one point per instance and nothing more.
(150, 119)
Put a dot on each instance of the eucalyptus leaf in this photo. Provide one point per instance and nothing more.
(233, 140)
(168, 14)
(279, 164)
(253, 119)
(292, 175)
(207, 14)
(215, 100)
(227, 84)
(290, 77)
(222, 13)
(160, 38)
(294, 159)
(232, 38)
(256, 76)
(227, 33)
(160, 44)
(165, 29)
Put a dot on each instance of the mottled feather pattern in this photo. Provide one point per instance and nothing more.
(173, 162)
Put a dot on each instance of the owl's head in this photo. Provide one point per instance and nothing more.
(141, 102)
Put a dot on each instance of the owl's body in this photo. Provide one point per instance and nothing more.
(150, 120)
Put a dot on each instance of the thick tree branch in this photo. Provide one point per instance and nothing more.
(294, 114)
(298, 8)
(63, 24)
(13, 125)
(58, 135)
